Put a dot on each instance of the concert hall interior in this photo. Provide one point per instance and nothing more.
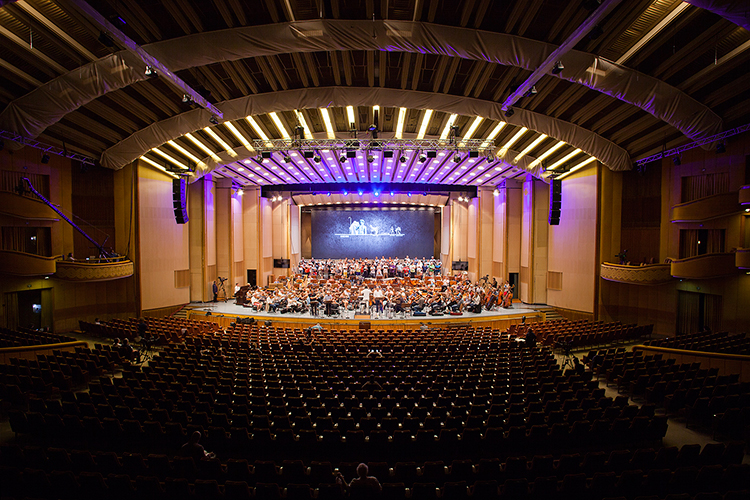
(423, 232)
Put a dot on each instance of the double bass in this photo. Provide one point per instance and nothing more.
(507, 297)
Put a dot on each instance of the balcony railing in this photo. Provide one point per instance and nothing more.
(711, 265)
(104, 270)
(710, 207)
(26, 264)
(649, 274)
(22, 207)
(742, 258)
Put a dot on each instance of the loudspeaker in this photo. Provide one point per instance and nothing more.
(252, 277)
(179, 199)
(555, 202)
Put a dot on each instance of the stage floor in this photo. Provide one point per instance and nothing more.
(231, 309)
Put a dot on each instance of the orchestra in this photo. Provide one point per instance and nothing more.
(332, 287)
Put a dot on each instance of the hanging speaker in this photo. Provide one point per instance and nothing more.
(555, 202)
(179, 200)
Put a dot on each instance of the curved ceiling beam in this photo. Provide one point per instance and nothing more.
(26, 117)
(735, 11)
(131, 148)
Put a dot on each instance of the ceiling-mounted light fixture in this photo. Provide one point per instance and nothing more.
(557, 68)
(316, 159)
(402, 158)
(422, 158)
(457, 158)
(150, 72)
(213, 120)
(509, 112)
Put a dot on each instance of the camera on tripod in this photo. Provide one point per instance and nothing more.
(564, 347)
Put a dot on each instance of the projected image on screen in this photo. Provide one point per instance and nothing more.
(339, 234)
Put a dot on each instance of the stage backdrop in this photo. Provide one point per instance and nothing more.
(338, 234)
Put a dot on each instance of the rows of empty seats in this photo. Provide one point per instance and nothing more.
(23, 337)
(582, 332)
(703, 396)
(714, 471)
(707, 341)
(49, 374)
(168, 328)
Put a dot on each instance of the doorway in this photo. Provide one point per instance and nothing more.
(513, 280)
(698, 311)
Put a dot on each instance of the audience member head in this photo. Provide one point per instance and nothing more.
(195, 437)
(362, 470)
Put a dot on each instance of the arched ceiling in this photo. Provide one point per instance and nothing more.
(660, 73)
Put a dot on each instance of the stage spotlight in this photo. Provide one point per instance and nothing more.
(45, 158)
(424, 193)
(187, 99)
(240, 192)
(721, 148)
(328, 193)
(360, 192)
(531, 92)
(392, 193)
(213, 120)
(408, 194)
(402, 158)
(376, 193)
(345, 192)
(316, 159)
(496, 192)
(509, 112)
(370, 158)
(676, 160)
(457, 158)
(150, 72)
(557, 68)
(342, 158)
(287, 159)
(422, 158)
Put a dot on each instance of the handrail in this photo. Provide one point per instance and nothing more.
(7, 352)
(686, 352)
(635, 266)
(34, 255)
(704, 198)
(699, 257)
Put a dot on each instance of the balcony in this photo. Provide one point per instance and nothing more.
(25, 208)
(712, 265)
(745, 195)
(26, 264)
(650, 274)
(87, 271)
(703, 209)
(742, 258)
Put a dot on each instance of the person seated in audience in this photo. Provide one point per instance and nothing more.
(371, 385)
(126, 350)
(194, 449)
(362, 486)
(530, 338)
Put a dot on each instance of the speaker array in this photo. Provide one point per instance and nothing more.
(555, 202)
(179, 198)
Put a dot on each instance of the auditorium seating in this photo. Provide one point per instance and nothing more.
(169, 329)
(582, 332)
(25, 337)
(708, 342)
(460, 412)
(705, 398)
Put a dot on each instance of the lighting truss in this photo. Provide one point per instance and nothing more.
(373, 144)
(17, 138)
(686, 147)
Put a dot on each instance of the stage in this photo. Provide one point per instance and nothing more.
(225, 313)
